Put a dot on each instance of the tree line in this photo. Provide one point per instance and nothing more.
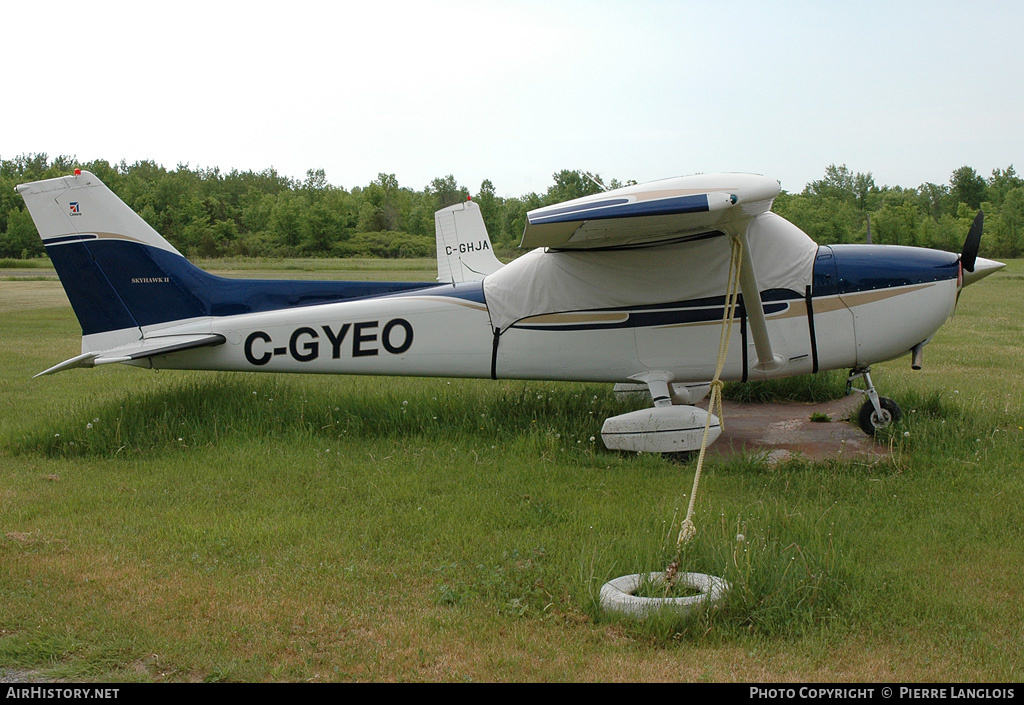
(210, 213)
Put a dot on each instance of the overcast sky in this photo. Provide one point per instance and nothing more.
(514, 91)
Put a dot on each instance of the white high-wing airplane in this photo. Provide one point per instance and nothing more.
(623, 286)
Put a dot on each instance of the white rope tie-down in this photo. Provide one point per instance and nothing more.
(618, 595)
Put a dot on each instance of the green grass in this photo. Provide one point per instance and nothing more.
(9, 263)
(824, 386)
(230, 527)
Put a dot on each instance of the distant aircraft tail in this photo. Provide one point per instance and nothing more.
(464, 252)
(134, 294)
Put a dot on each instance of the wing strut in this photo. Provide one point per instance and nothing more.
(766, 359)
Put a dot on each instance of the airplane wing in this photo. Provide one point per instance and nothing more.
(150, 347)
(612, 241)
(670, 210)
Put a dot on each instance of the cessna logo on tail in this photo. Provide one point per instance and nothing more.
(304, 343)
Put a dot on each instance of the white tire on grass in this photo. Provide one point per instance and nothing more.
(618, 595)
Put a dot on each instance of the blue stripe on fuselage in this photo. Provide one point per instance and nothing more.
(774, 301)
(114, 284)
(467, 291)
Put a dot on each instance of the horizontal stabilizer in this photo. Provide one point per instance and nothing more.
(151, 347)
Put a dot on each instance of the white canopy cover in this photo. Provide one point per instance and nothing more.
(557, 281)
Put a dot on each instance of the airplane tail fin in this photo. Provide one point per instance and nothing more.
(134, 294)
(464, 251)
(118, 272)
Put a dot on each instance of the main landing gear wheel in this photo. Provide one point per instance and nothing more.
(871, 422)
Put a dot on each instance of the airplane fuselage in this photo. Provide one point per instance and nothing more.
(866, 304)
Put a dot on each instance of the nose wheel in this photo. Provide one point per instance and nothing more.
(872, 420)
(877, 412)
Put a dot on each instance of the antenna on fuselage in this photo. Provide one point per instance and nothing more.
(869, 228)
(596, 182)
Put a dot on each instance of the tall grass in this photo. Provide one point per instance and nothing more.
(204, 410)
(787, 571)
(784, 571)
(771, 533)
(10, 263)
(823, 386)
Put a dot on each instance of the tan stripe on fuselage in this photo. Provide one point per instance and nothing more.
(583, 317)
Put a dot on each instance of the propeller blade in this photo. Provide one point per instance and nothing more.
(970, 253)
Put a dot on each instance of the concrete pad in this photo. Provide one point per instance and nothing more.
(782, 431)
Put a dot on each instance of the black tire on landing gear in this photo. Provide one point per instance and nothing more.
(869, 421)
(681, 457)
